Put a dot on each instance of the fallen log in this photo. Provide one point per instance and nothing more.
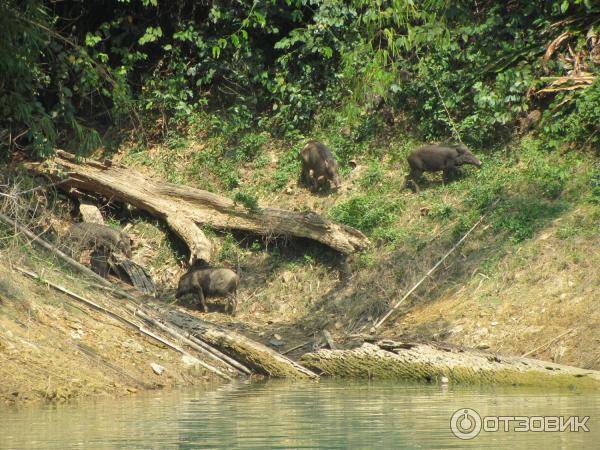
(136, 274)
(430, 362)
(186, 209)
(258, 357)
(174, 333)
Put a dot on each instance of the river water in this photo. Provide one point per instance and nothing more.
(330, 414)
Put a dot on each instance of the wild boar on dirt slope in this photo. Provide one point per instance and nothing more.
(91, 236)
(205, 282)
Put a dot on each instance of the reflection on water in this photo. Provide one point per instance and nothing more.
(330, 414)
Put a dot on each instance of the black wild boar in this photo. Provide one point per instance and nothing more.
(94, 235)
(319, 168)
(210, 282)
(432, 158)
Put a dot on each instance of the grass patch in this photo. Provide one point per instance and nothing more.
(366, 212)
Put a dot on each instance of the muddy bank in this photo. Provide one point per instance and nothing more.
(53, 349)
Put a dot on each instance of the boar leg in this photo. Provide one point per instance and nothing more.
(313, 182)
(412, 178)
(451, 173)
(202, 300)
(232, 303)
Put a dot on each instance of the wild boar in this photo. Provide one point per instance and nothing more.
(205, 282)
(93, 236)
(319, 168)
(432, 158)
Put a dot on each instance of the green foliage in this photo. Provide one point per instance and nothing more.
(288, 167)
(229, 250)
(372, 176)
(248, 201)
(441, 211)
(446, 67)
(366, 212)
(521, 217)
(576, 122)
(48, 81)
(595, 185)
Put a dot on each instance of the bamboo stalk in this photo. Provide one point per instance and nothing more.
(70, 261)
(295, 348)
(414, 288)
(187, 341)
(531, 352)
(121, 319)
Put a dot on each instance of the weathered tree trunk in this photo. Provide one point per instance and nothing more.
(429, 362)
(252, 354)
(184, 208)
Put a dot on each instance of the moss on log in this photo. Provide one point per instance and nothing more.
(429, 363)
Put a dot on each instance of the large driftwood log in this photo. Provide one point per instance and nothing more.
(185, 209)
(256, 356)
(429, 363)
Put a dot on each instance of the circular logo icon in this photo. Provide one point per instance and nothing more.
(465, 423)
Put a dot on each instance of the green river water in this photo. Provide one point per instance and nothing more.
(330, 414)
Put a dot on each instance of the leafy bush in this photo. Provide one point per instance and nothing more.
(70, 68)
(366, 212)
(249, 201)
(576, 122)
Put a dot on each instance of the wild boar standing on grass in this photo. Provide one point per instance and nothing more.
(433, 158)
(319, 168)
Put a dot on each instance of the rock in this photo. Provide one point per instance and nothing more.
(482, 346)
(77, 334)
(133, 345)
(494, 324)
(157, 368)
(482, 331)
(189, 361)
(90, 213)
(444, 380)
(457, 329)
(276, 342)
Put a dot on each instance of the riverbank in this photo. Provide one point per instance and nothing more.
(55, 349)
(523, 282)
